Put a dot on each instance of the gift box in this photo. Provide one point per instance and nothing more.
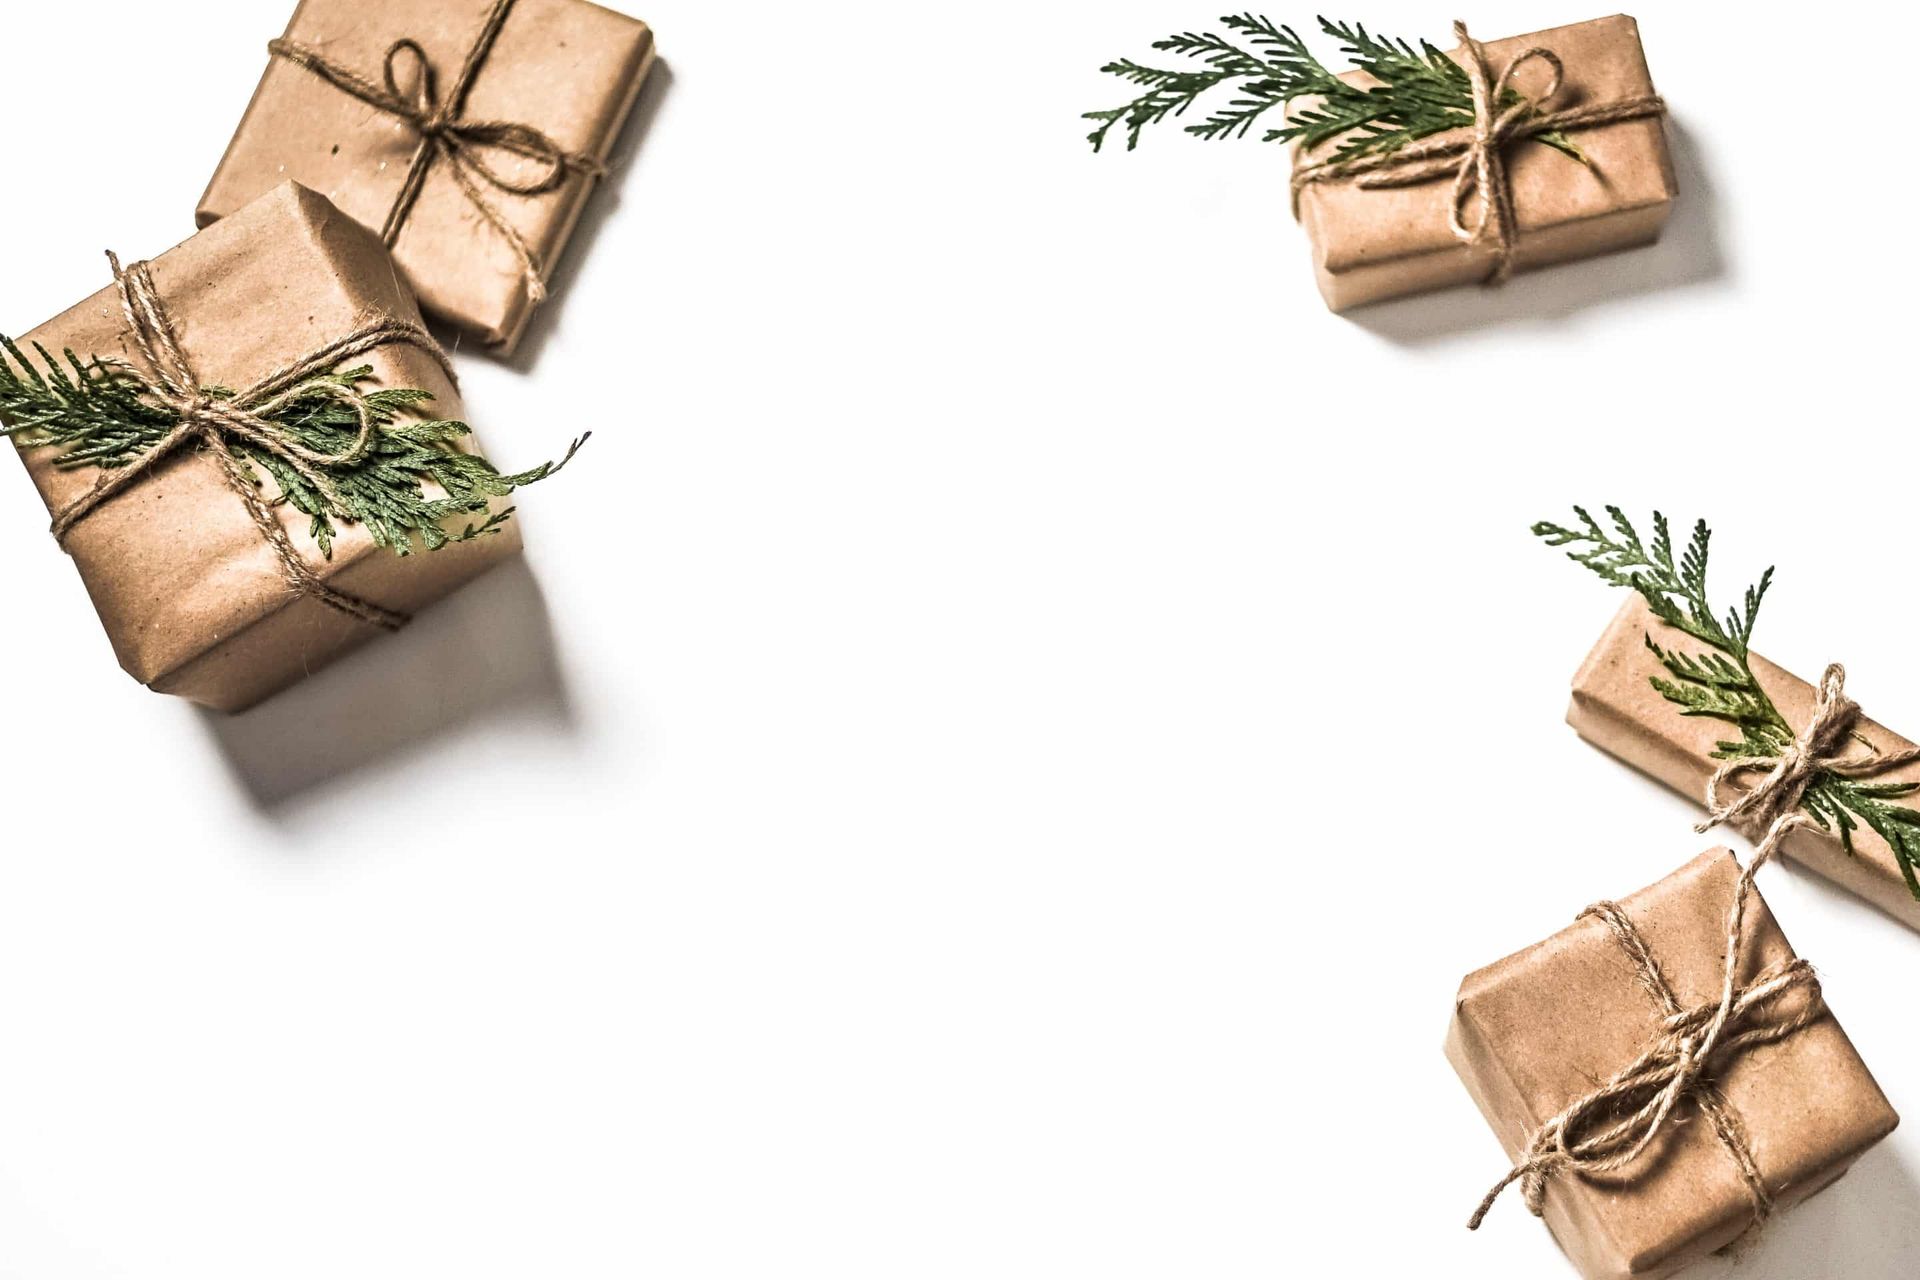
(1537, 1031)
(1616, 707)
(467, 132)
(193, 597)
(1372, 243)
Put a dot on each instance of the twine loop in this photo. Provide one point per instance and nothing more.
(1477, 158)
(409, 91)
(216, 420)
(1608, 1129)
(423, 108)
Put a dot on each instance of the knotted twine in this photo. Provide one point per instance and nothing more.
(216, 422)
(1477, 159)
(1692, 1043)
(1814, 752)
(444, 134)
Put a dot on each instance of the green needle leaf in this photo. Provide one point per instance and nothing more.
(1262, 65)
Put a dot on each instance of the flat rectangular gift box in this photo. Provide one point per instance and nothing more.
(188, 590)
(1373, 244)
(1616, 708)
(565, 67)
(1532, 1033)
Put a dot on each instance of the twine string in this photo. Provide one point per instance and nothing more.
(1608, 1129)
(444, 134)
(1476, 157)
(216, 422)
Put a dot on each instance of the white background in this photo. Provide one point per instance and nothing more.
(1001, 751)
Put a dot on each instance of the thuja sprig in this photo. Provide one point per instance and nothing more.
(411, 482)
(1420, 90)
(1718, 682)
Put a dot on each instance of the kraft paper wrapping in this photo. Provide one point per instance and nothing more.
(1615, 708)
(1370, 245)
(1537, 1030)
(188, 590)
(566, 67)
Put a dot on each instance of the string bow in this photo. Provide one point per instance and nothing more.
(1477, 158)
(217, 420)
(462, 144)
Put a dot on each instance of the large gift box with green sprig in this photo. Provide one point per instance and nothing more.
(253, 452)
(1385, 222)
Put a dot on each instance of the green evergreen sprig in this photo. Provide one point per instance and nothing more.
(1420, 90)
(1719, 682)
(411, 481)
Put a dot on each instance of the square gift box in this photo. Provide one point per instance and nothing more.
(1533, 1033)
(522, 99)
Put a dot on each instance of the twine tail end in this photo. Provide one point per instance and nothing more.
(1487, 1201)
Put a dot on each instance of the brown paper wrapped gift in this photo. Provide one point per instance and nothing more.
(1372, 243)
(1616, 708)
(189, 591)
(1537, 1030)
(494, 204)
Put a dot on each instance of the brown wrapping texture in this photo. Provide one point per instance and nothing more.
(189, 592)
(566, 67)
(1369, 245)
(1540, 1028)
(1615, 708)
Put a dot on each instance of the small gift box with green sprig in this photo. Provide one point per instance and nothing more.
(253, 452)
(1674, 688)
(1421, 168)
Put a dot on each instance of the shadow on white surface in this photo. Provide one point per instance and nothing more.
(1688, 253)
(483, 655)
(600, 207)
(1864, 1227)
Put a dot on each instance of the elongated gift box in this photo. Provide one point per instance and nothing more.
(1537, 1030)
(1616, 708)
(1370, 244)
(565, 69)
(187, 588)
